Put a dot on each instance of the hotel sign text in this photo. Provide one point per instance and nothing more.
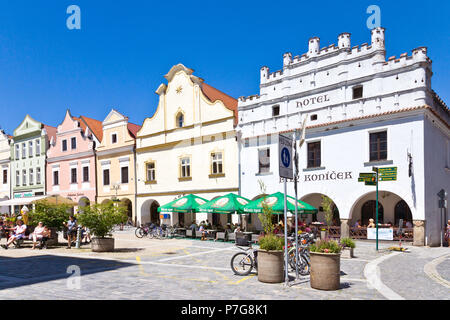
(310, 101)
(333, 175)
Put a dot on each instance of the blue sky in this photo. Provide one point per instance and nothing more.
(124, 48)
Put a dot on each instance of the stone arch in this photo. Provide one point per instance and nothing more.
(83, 202)
(149, 212)
(387, 199)
(315, 199)
(402, 211)
(129, 207)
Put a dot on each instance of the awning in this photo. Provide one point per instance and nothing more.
(21, 201)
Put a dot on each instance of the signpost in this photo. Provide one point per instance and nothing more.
(286, 172)
(372, 178)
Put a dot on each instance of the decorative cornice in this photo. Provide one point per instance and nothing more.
(110, 151)
(72, 156)
(141, 195)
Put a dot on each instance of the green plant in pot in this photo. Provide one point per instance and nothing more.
(270, 253)
(51, 215)
(348, 246)
(327, 205)
(101, 219)
(325, 265)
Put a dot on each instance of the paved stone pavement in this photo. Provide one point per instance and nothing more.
(192, 269)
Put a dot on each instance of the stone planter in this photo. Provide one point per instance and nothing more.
(53, 240)
(347, 253)
(325, 271)
(270, 266)
(102, 244)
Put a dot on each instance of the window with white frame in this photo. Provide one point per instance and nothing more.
(114, 138)
(24, 177)
(216, 163)
(150, 169)
(264, 160)
(38, 175)
(185, 167)
(73, 175)
(64, 145)
(124, 174)
(17, 151)
(38, 147)
(24, 150)
(5, 176)
(86, 174)
(31, 176)
(55, 177)
(30, 148)
(17, 178)
(106, 177)
(73, 143)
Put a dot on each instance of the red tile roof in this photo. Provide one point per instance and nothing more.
(95, 126)
(51, 131)
(214, 94)
(133, 129)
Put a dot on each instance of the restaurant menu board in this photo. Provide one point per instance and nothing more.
(383, 233)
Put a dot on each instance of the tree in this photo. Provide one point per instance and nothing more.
(327, 205)
(101, 218)
(51, 215)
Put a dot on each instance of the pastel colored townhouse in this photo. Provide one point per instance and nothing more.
(71, 159)
(5, 161)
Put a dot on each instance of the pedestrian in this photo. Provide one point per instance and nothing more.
(447, 233)
(71, 226)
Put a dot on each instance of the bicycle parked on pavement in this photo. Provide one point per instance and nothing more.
(305, 240)
(242, 263)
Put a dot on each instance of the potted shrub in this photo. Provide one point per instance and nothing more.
(325, 265)
(270, 253)
(51, 215)
(327, 205)
(101, 219)
(348, 245)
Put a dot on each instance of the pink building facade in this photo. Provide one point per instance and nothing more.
(71, 167)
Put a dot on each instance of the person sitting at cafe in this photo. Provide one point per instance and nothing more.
(19, 233)
(208, 225)
(45, 236)
(357, 224)
(371, 223)
(409, 224)
(237, 229)
(203, 231)
(37, 234)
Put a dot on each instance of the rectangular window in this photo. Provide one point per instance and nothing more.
(30, 148)
(24, 177)
(269, 139)
(314, 154)
(31, 177)
(275, 111)
(357, 92)
(106, 177)
(85, 174)
(55, 178)
(217, 165)
(124, 174)
(264, 160)
(73, 175)
(17, 151)
(73, 143)
(17, 178)
(38, 147)
(64, 145)
(185, 167)
(5, 176)
(114, 138)
(38, 175)
(24, 151)
(151, 174)
(378, 146)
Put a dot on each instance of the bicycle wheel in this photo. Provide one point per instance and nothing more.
(139, 232)
(303, 266)
(241, 264)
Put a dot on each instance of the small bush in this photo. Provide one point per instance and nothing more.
(101, 218)
(347, 243)
(326, 246)
(51, 215)
(271, 242)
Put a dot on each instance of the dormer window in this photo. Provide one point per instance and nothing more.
(180, 120)
(357, 92)
(114, 138)
(275, 111)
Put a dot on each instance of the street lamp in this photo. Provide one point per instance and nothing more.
(116, 186)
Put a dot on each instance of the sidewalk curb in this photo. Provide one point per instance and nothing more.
(371, 273)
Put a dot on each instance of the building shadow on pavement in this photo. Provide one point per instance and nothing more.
(16, 272)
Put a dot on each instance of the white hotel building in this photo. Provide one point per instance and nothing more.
(362, 111)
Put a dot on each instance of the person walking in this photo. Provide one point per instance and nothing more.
(71, 226)
(447, 233)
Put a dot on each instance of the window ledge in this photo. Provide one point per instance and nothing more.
(263, 174)
(378, 163)
(216, 175)
(185, 179)
(151, 182)
(313, 169)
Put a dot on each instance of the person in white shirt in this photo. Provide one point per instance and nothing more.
(19, 233)
(37, 234)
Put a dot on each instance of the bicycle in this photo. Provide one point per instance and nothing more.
(303, 254)
(242, 263)
(144, 230)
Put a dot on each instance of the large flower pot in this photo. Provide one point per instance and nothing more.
(270, 266)
(325, 271)
(102, 244)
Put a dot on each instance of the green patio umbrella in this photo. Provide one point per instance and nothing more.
(229, 203)
(276, 202)
(185, 204)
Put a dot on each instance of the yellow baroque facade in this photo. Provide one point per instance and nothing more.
(115, 157)
(187, 147)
